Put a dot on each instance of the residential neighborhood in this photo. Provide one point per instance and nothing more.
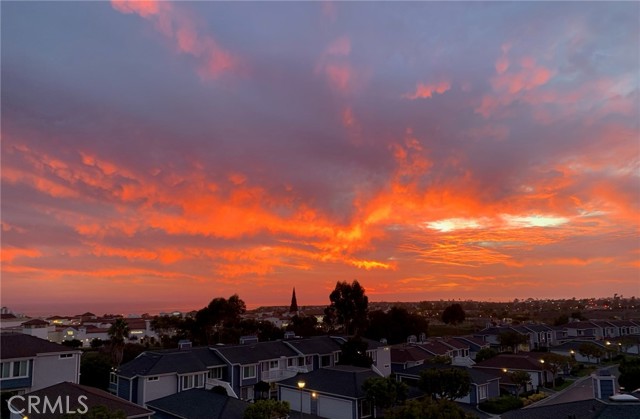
(42, 356)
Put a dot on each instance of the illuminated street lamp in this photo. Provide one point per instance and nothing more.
(301, 385)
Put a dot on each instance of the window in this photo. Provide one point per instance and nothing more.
(365, 409)
(15, 369)
(113, 378)
(153, 378)
(482, 392)
(336, 357)
(215, 373)
(291, 362)
(199, 380)
(62, 356)
(273, 365)
(187, 382)
(249, 371)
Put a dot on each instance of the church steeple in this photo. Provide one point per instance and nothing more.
(294, 302)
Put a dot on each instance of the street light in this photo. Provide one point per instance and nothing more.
(301, 385)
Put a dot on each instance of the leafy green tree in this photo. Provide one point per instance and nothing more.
(629, 374)
(426, 409)
(304, 326)
(96, 343)
(485, 353)
(511, 339)
(555, 363)
(73, 343)
(267, 409)
(349, 305)
(591, 350)
(354, 352)
(385, 392)
(118, 332)
(453, 314)
(261, 389)
(520, 379)
(212, 320)
(445, 383)
(395, 325)
(95, 368)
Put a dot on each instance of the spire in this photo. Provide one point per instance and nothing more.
(294, 302)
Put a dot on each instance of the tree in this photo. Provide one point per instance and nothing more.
(385, 392)
(395, 325)
(512, 340)
(304, 326)
(554, 363)
(95, 368)
(220, 313)
(485, 353)
(96, 343)
(590, 350)
(267, 409)
(629, 374)
(445, 383)
(219, 390)
(118, 332)
(453, 314)
(260, 389)
(426, 409)
(73, 343)
(520, 379)
(354, 352)
(349, 304)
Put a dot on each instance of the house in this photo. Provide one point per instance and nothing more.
(318, 351)
(571, 349)
(156, 374)
(475, 344)
(540, 335)
(407, 356)
(483, 386)
(584, 330)
(334, 392)
(198, 404)
(492, 335)
(518, 362)
(30, 363)
(73, 398)
(36, 327)
(252, 362)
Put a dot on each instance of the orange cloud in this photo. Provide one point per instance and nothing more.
(182, 30)
(335, 66)
(426, 91)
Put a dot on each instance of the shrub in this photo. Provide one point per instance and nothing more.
(502, 404)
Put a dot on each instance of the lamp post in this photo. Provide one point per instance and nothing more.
(301, 385)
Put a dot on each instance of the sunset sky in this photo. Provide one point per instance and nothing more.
(156, 155)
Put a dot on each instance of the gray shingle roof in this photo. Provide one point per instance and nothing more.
(19, 345)
(253, 353)
(343, 380)
(94, 397)
(321, 345)
(200, 404)
(174, 361)
(477, 376)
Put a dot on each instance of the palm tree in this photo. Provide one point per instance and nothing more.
(118, 332)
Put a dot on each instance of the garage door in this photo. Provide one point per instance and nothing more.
(331, 408)
(293, 397)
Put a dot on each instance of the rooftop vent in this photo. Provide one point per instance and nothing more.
(184, 344)
(412, 339)
(289, 334)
